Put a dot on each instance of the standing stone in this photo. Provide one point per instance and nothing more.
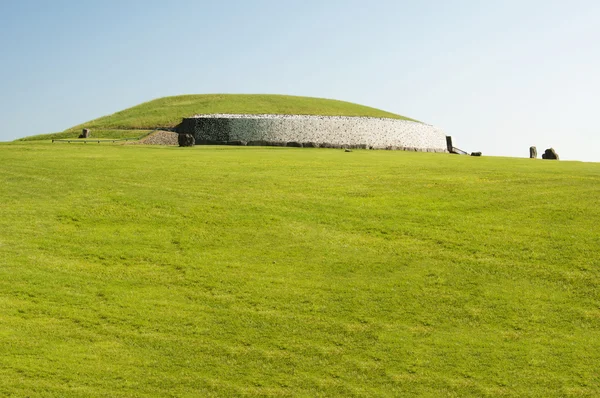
(532, 152)
(550, 154)
(449, 145)
(86, 133)
(186, 140)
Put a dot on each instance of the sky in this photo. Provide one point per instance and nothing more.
(498, 76)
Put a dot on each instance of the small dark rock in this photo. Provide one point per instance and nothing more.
(186, 140)
(550, 154)
(257, 143)
(86, 133)
(532, 152)
(276, 143)
(475, 153)
(347, 150)
(237, 142)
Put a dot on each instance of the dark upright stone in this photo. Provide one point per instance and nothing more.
(532, 152)
(449, 145)
(550, 154)
(86, 133)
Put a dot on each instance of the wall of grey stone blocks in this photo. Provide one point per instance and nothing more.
(377, 133)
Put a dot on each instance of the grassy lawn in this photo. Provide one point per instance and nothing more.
(227, 271)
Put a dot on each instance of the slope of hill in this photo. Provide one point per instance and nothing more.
(229, 271)
(168, 111)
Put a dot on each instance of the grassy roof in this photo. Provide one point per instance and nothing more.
(168, 111)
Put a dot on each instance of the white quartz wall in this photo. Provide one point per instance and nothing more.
(339, 130)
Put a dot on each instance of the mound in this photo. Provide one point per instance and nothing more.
(169, 111)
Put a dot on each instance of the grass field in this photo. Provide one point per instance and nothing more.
(227, 271)
(169, 111)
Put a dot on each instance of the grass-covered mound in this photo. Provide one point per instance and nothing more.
(220, 271)
(100, 134)
(168, 111)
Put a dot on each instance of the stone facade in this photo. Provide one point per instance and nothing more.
(314, 131)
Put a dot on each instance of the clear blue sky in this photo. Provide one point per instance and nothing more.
(499, 76)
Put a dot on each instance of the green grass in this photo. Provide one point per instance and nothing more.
(227, 271)
(97, 133)
(168, 111)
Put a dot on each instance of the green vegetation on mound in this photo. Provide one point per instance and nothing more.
(228, 271)
(101, 134)
(168, 111)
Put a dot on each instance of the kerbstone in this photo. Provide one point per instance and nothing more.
(186, 140)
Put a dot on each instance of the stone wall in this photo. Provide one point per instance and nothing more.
(376, 133)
